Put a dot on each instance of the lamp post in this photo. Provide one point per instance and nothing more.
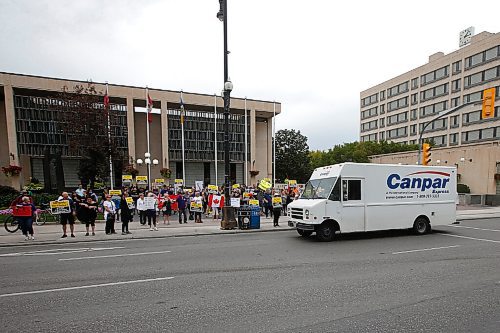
(229, 221)
(148, 161)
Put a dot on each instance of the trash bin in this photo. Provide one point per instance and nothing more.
(244, 216)
(255, 217)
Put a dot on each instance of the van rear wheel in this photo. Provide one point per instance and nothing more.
(325, 232)
(421, 226)
(304, 233)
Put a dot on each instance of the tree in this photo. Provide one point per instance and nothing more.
(292, 156)
(358, 152)
(85, 126)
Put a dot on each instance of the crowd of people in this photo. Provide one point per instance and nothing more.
(189, 204)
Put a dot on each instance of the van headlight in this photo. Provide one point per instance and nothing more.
(289, 211)
(307, 213)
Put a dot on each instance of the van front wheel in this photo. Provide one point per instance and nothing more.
(325, 232)
(421, 226)
(304, 233)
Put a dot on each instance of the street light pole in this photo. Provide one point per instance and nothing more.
(229, 222)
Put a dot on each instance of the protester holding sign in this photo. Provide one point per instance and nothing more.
(26, 218)
(276, 209)
(109, 215)
(165, 205)
(88, 214)
(197, 207)
(126, 214)
(141, 208)
(150, 204)
(182, 206)
(66, 218)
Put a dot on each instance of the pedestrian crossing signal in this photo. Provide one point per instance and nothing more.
(426, 156)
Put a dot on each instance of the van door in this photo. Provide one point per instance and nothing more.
(353, 205)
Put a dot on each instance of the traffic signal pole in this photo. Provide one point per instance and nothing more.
(420, 142)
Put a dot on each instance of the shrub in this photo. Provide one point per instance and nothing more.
(462, 188)
(6, 190)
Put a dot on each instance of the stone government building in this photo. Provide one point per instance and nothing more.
(29, 129)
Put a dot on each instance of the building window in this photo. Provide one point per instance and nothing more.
(436, 75)
(455, 85)
(457, 67)
(369, 100)
(368, 125)
(436, 125)
(453, 138)
(471, 117)
(414, 99)
(455, 101)
(382, 122)
(482, 134)
(429, 110)
(382, 109)
(370, 137)
(474, 97)
(413, 114)
(397, 118)
(482, 57)
(454, 121)
(369, 113)
(396, 90)
(397, 104)
(434, 92)
(397, 132)
(381, 135)
(481, 77)
(382, 95)
(413, 129)
(414, 83)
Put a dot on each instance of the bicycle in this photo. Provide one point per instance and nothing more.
(45, 215)
(11, 224)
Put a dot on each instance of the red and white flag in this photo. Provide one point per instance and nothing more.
(150, 108)
(106, 98)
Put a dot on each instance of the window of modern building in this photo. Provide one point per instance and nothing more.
(382, 122)
(381, 136)
(414, 83)
(436, 125)
(397, 118)
(455, 85)
(439, 141)
(436, 75)
(368, 125)
(481, 77)
(369, 100)
(382, 95)
(372, 112)
(455, 101)
(482, 134)
(414, 99)
(456, 67)
(454, 121)
(454, 139)
(413, 129)
(412, 142)
(479, 58)
(396, 90)
(429, 110)
(382, 108)
(434, 92)
(413, 114)
(370, 137)
(397, 104)
(473, 97)
(471, 117)
(397, 132)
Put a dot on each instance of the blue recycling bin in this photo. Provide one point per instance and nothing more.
(255, 218)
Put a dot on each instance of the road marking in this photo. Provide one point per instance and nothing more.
(52, 252)
(478, 239)
(84, 287)
(420, 250)
(115, 255)
(463, 226)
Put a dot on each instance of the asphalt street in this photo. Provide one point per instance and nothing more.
(447, 281)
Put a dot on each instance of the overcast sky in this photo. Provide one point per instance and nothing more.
(314, 56)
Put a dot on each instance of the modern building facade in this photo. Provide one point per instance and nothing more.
(34, 138)
(397, 110)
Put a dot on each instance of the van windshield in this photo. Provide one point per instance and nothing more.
(318, 188)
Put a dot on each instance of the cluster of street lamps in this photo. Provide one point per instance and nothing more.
(148, 162)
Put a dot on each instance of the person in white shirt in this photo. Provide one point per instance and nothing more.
(141, 208)
(79, 191)
(109, 215)
(198, 200)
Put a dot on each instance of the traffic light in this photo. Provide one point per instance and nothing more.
(488, 103)
(426, 154)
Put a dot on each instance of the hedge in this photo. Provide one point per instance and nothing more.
(39, 198)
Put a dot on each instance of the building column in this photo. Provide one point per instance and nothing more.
(130, 129)
(10, 119)
(270, 148)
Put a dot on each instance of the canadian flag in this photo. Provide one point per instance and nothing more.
(216, 201)
(150, 108)
(106, 98)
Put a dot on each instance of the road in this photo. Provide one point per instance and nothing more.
(448, 281)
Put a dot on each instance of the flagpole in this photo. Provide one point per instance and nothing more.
(215, 137)
(109, 139)
(182, 136)
(274, 144)
(246, 145)
(147, 134)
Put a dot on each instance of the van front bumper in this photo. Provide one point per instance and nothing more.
(303, 226)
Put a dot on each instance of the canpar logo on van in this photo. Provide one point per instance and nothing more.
(415, 180)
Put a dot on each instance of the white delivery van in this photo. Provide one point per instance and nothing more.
(354, 197)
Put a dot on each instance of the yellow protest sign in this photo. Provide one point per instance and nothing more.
(196, 206)
(236, 186)
(264, 185)
(160, 181)
(292, 183)
(179, 181)
(126, 178)
(60, 207)
(115, 192)
(246, 195)
(276, 201)
(141, 180)
(213, 189)
(253, 202)
(130, 202)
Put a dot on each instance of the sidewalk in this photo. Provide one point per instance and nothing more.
(51, 233)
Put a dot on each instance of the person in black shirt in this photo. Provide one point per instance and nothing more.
(126, 214)
(88, 214)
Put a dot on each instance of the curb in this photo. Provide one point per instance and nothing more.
(226, 232)
(478, 216)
